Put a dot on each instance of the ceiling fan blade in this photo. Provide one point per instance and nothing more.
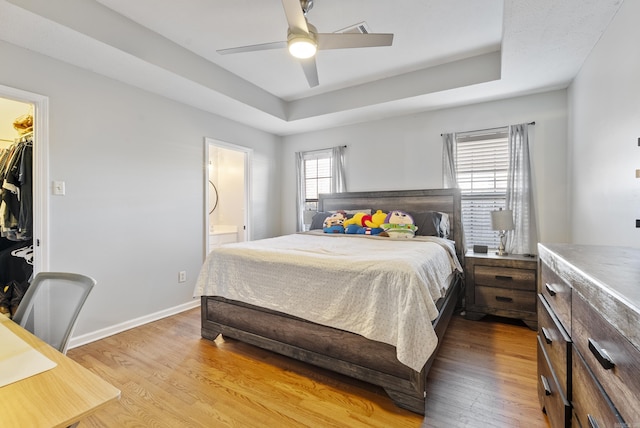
(253, 48)
(310, 71)
(295, 17)
(349, 40)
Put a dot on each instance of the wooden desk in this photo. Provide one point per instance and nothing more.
(59, 397)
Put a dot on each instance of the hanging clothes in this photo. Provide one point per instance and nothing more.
(16, 270)
(16, 195)
(16, 217)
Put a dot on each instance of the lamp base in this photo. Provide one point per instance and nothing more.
(501, 249)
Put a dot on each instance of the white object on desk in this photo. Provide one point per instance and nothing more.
(18, 360)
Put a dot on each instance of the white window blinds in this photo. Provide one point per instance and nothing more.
(317, 177)
(482, 162)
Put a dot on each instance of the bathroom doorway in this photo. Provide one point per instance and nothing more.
(227, 181)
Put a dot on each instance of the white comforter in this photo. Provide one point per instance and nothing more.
(381, 288)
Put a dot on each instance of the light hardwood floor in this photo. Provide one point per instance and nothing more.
(484, 376)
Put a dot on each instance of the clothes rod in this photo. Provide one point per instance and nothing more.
(490, 129)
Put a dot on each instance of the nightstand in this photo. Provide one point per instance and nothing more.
(501, 285)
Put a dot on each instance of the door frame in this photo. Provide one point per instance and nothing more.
(248, 159)
(40, 172)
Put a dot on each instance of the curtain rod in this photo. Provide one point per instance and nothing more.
(322, 150)
(491, 129)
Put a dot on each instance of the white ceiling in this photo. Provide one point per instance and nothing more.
(444, 53)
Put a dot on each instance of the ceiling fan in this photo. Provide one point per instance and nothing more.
(303, 40)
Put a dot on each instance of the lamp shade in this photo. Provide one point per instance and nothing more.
(502, 220)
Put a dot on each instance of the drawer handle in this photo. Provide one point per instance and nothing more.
(504, 299)
(504, 277)
(592, 421)
(550, 289)
(545, 335)
(601, 355)
(545, 385)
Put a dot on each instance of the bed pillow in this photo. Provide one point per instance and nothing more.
(318, 219)
(428, 223)
(444, 225)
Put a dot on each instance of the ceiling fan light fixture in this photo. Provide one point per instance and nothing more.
(302, 47)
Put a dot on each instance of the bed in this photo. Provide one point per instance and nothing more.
(392, 350)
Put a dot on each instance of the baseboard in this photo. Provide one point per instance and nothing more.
(74, 342)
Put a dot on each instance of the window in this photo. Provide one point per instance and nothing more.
(482, 164)
(317, 177)
(318, 171)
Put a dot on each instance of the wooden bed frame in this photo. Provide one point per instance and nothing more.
(338, 350)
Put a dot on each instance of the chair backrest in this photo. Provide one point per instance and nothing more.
(50, 307)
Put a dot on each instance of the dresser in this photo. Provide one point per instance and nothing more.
(501, 285)
(589, 335)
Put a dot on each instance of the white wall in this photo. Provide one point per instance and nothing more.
(604, 130)
(133, 163)
(406, 152)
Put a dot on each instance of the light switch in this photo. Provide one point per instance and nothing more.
(58, 188)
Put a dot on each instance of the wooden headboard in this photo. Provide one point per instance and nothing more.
(443, 200)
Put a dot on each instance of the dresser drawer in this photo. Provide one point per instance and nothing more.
(558, 294)
(591, 406)
(614, 361)
(556, 343)
(505, 277)
(505, 299)
(551, 397)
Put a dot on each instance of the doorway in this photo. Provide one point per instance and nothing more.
(227, 184)
(39, 108)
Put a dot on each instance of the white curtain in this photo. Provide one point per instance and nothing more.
(338, 182)
(300, 191)
(449, 174)
(524, 238)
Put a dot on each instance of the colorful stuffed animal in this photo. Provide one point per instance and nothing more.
(399, 224)
(365, 224)
(376, 219)
(334, 223)
(355, 220)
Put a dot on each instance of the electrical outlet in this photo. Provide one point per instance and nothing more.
(182, 276)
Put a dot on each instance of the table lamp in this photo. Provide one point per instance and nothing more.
(502, 221)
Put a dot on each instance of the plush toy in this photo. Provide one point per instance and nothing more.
(375, 219)
(355, 220)
(334, 223)
(369, 231)
(365, 224)
(399, 224)
(352, 225)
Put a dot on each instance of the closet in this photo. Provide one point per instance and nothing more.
(16, 206)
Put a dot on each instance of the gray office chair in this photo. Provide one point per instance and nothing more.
(50, 307)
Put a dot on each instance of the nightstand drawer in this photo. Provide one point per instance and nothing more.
(591, 405)
(504, 298)
(555, 342)
(558, 294)
(505, 277)
(610, 356)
